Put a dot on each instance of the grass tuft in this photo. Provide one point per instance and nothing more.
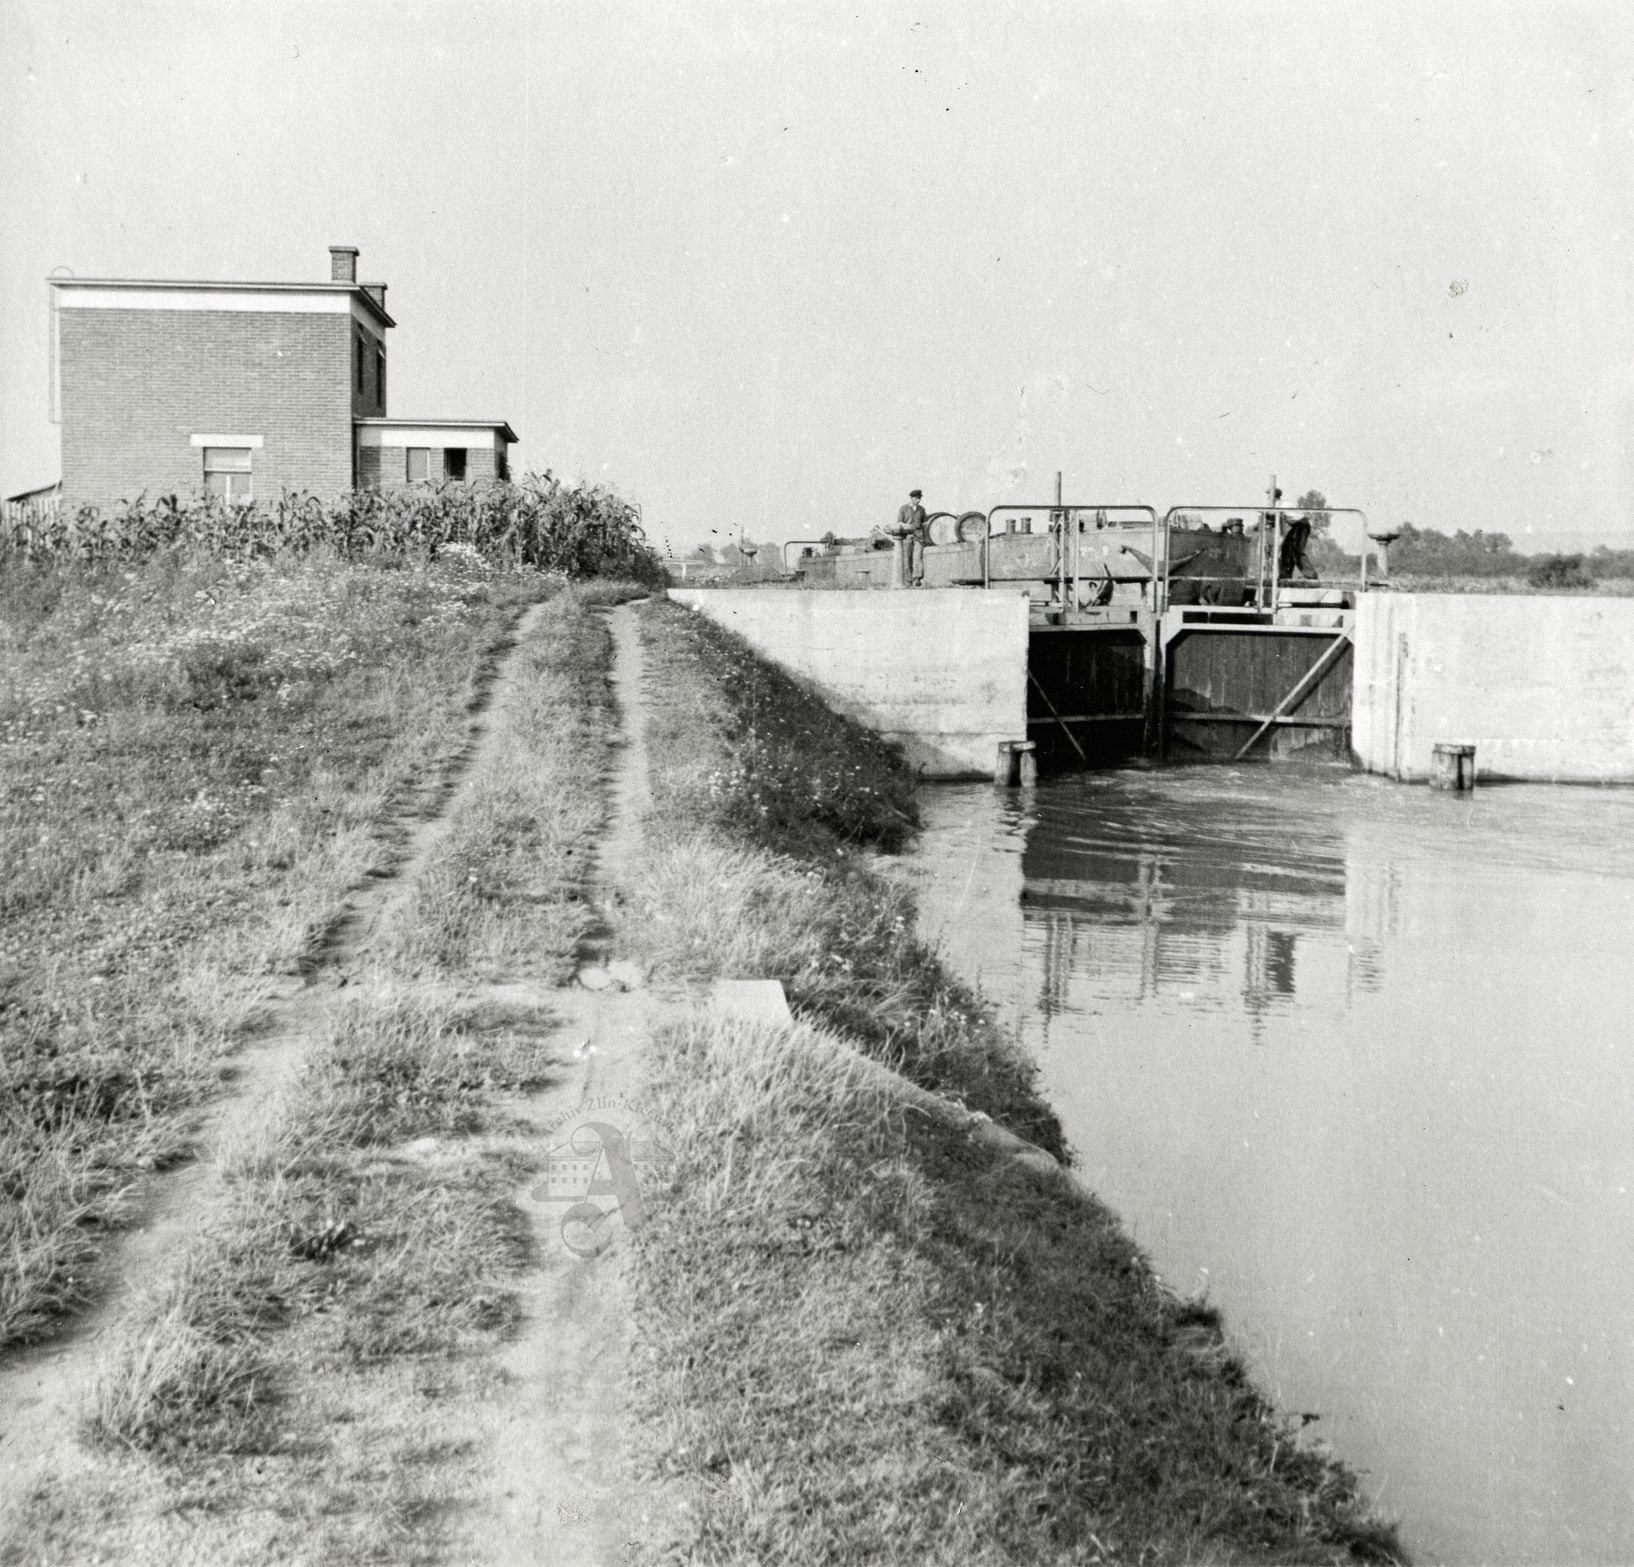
(397, 1066)
(192, 1374)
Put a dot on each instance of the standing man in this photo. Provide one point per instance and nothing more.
(910, 528)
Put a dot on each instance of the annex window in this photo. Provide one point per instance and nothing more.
(380, 376)
(455, 458)
(227, 473)
(358, 345)
(419, 464)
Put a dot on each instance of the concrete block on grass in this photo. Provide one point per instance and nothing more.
(751, 1001)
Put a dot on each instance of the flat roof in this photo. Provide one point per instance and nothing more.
(356, 290)
(441, 424)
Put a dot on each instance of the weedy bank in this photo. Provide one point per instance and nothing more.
(863, 1336)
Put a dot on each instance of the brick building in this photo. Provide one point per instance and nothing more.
(242, 389)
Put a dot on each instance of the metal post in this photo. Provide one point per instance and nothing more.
(1276, 561)
(1060, 545)
(1074, 524)
(1273, 495)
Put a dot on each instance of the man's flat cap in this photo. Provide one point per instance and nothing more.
(915, 495)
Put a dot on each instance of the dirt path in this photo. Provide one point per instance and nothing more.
(561, 1491)
(43, 1387)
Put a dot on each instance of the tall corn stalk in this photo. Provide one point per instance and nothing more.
(581, 530)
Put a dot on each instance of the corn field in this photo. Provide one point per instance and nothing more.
(579, 530)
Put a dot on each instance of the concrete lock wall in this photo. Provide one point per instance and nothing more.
(940, 671)
(1542, 687)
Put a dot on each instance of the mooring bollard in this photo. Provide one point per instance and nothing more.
(1452, 767)
(1017, 763)
(899, 566)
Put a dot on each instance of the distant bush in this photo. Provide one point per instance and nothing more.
(579, 530)
(1559, 571)
(1606, 562)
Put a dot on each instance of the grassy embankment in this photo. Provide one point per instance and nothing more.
(863, 1337)
(301, 1385)
(200, 758)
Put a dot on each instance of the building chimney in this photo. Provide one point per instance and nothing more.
(376, 292)
(343, 263)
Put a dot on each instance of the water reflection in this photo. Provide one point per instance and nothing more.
(1349, 1058)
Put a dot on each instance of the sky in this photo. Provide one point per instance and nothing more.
(764, 268)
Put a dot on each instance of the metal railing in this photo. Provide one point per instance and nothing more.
(1247, 551)
(1066, 521)
(813, 547)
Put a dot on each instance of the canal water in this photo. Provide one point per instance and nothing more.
(1354, 1060)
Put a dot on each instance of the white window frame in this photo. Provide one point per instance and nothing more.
(239, 482)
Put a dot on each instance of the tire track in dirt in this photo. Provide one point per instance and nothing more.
(43, 1386)
(561, 1490)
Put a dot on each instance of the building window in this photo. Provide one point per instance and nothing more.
(419, 464)
(502, 465)
(455, 458)
(380, 377)
(359, 346)
(227, 473)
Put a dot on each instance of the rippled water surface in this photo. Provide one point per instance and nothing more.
(1356, 1060)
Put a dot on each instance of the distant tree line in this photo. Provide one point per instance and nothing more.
(739, 560)
(1426, 552)
(731, 554)
(1423, 552)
